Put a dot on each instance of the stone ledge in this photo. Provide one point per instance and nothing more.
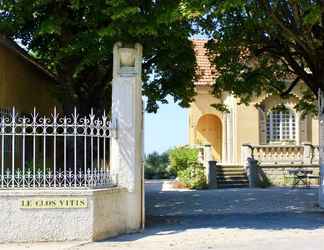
(288, 166)
(59, 192)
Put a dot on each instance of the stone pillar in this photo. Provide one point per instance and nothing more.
(252, 172)
(225, 146)
(212, 174)
(246, 153)
(126, 156)
(207, 158)
(230, 137)
(308, 153)
(321, 147)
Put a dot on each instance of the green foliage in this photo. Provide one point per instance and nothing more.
(182, 158)
(262, 179)
(74, 40)
(156, 166)
(266, 47)
(184, 164)
(264, 182)
(193, 176)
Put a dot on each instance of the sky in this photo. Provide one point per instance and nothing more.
(165, 129)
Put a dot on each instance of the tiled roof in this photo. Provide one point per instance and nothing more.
(206, 72)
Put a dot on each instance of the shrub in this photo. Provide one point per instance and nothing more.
(263, 180)
(156, 166)
(182, 158)
(185, 165)
(193, 177)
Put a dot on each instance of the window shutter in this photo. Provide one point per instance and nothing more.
(303, 130)
(262, 127)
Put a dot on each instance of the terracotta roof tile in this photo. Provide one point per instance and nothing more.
(206, 72)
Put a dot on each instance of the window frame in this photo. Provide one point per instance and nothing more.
(272, 136)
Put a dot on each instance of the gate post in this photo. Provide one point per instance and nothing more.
(252, 172)
(126, 151)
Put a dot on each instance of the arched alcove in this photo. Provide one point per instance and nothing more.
(209, 131)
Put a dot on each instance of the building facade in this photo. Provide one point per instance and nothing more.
(280, 132)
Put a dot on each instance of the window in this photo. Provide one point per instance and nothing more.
(281, 125)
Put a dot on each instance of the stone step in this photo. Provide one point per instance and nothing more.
(230, 169)
(233, 185)
(233, 178)
(230, 182)
(231, 173)
(230, 166)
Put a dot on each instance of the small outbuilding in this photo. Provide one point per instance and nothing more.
(24, 83)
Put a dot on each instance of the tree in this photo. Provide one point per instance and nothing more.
(266, 46)
(74, 40)
(156, 166)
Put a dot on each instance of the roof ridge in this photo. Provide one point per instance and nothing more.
(13, 46)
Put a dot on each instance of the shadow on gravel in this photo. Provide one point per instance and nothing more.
(268, 209)
(261, 221)
(172, 212)
(170, 225)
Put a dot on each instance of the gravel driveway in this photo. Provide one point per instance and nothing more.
(229, 219)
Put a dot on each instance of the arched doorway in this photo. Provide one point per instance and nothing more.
(209, 131)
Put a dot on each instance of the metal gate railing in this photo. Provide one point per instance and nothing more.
(54, 151)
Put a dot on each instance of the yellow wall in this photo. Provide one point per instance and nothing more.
(23, 85)
(247, 128)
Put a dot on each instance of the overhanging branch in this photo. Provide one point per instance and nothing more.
(291, 87)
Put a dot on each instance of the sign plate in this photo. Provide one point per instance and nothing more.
(48, 203)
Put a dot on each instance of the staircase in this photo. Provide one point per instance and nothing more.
(231, 176)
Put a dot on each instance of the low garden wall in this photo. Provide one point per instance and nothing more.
(60, 215)
(278, 175)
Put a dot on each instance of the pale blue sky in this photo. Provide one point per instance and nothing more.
(165, 129)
